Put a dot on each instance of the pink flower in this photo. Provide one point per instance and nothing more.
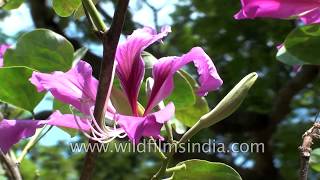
(130, 70)
(3, 48)
(78, 88)
(307, 11)
(11, 131)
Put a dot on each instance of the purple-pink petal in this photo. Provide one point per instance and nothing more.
(150, 125)
(12, 131)
(3, 48)
(68, 121)
(165, 68)
(311, 17)
(306, 10)
(76, 87)
(130, 65)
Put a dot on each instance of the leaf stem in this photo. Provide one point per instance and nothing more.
(169, 131)
(163, 157)
(191, 132)
(91, 23)
(29, 145)
(176, 168)
(94, 15)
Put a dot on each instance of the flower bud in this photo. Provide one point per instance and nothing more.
(230, 103)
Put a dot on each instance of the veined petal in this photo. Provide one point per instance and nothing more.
(76, 87)
(68, 121)
(3, 48)
(130, 65)
(164, 69)
(282, 9)
(150, 125)
(12, 131)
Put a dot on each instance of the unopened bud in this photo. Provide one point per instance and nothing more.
(230, 103)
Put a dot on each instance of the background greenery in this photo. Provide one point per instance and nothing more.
(279, 108)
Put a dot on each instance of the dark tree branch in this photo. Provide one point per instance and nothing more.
(281, 109)
(281, 106)
(11, 167)
(263, 126)
(110, 41)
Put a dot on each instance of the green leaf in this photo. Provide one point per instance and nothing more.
(11, 4)
(16, 88)
(302, 45)
(182, 94)
(315, 159)
(62, 107)
(201, 169)
(28, 169)
(287, 58)
(65, 8)
(120, 102)
(42, 50)
(189, 115)
(79, 54)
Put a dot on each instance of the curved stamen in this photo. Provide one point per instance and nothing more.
(105, 134)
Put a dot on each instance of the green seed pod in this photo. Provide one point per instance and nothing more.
(230, 103)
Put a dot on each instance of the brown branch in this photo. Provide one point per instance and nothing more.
(11, 168)
(305, 149)
(110, 41)
(281, 108)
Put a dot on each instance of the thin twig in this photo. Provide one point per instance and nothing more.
(169, 132)
(176, 168)
(155, 12)
(30, 144)
(157, 148)
(305, 149)
(110, 41)
(11, 167)
(91, 23)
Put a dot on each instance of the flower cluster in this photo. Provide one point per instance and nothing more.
(77, 87)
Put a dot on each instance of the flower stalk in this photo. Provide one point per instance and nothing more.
(176, 168)
(29, 145)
